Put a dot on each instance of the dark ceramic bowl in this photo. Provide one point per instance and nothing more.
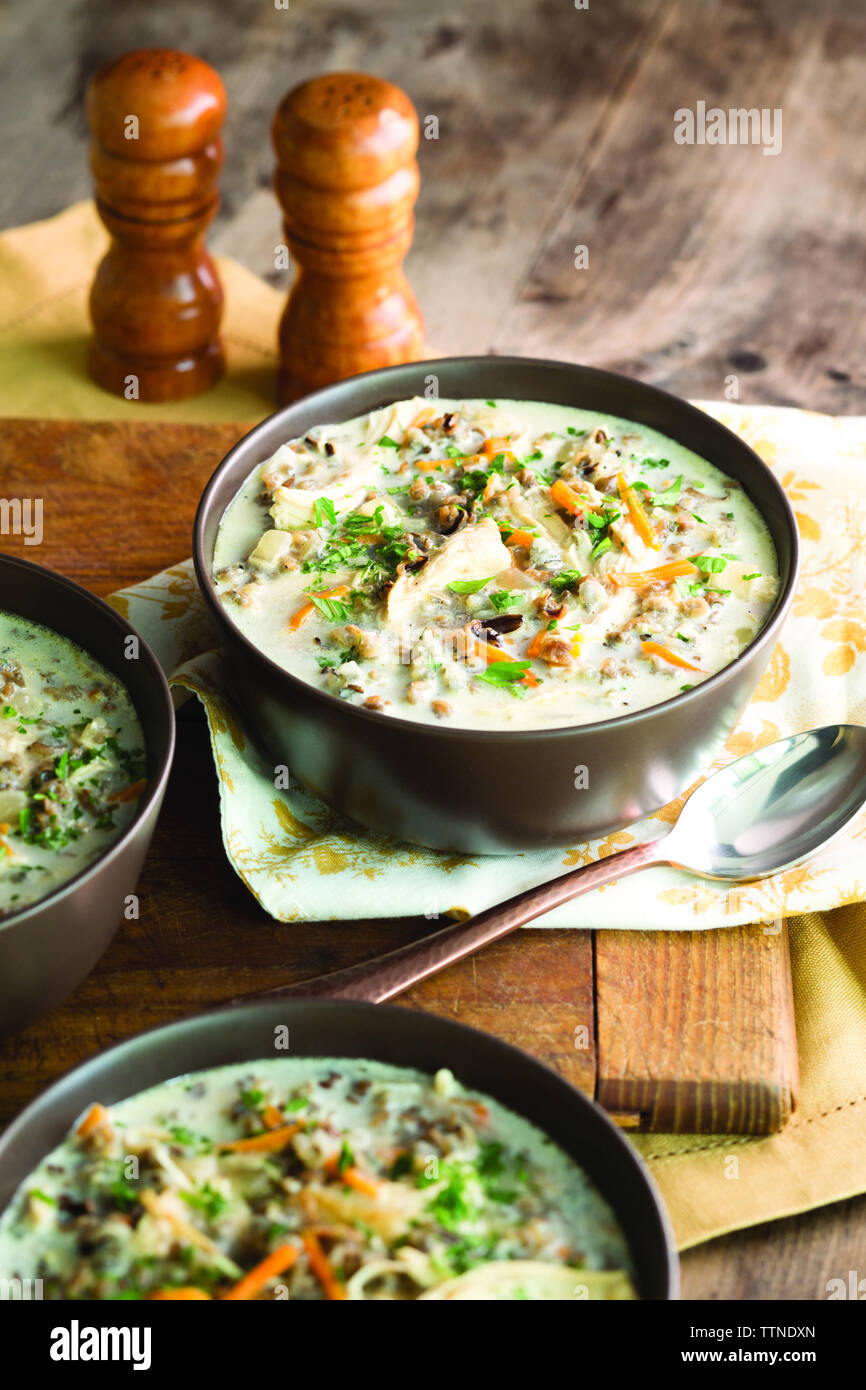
(48, 947)
(471, 790)
(403, 1037)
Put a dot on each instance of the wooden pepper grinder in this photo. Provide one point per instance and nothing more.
(347, 181)
(156, 300)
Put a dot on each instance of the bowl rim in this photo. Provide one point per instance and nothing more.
(766, 636)
(500, 1052)
(156, 786)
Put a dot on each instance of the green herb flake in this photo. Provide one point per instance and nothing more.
(37, 1195)
(324, 511)
(207, 1200)
(504, 673)
(468, 586)
(330, 608)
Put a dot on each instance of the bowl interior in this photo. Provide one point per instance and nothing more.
(66, 608)
(403, 1037)
(507, 378)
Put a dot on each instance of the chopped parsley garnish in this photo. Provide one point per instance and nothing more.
(468, 586)
(502, 600)
(386, 442)
(123, 1193)
(331, 608)
(669, 496)
(38, 1195)
(565, 579)
(206, 1200)
(504, 672)
(324, 511)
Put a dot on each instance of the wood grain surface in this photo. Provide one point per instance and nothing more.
(555, 130)
(696, 1030)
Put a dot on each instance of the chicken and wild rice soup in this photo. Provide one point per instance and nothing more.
(72, 761)
(312, 1179)
(495, 564)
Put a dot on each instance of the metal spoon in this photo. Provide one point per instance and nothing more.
(759, 815)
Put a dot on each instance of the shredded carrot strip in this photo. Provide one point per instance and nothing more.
(639, 518)
(271, 1117)
(639, 578)
(523, 538)
(497, 445)
(188, 1293)
(656, 649)
(96, 1115)
(353, 1177)
(270, 1142)
(481, 1113)
(321, 1267)
(130, 793)
(4, 843)
(254, 1281)
(566, 497)
(307, 608)
(422, 418)
(536, 645)
(428, 465)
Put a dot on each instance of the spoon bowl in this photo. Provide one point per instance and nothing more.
(773, 808)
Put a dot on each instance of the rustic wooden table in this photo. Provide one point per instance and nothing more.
(711, 271)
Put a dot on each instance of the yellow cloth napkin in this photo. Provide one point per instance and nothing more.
(46, 270)
(712, 1184)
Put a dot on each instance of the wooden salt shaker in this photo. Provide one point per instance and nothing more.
(347, 181)
(156, 301)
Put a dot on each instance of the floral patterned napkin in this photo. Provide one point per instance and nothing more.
(304, 861)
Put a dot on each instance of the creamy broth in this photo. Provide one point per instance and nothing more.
(495, 565)
(71, 761)
(311, 1179)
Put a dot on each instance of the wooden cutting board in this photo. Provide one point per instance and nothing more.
(685, 1031)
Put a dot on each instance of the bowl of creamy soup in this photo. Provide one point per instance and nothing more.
(464, 575)
(382, 1155)
(86, 735)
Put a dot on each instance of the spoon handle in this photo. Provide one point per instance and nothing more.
(385, 976)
